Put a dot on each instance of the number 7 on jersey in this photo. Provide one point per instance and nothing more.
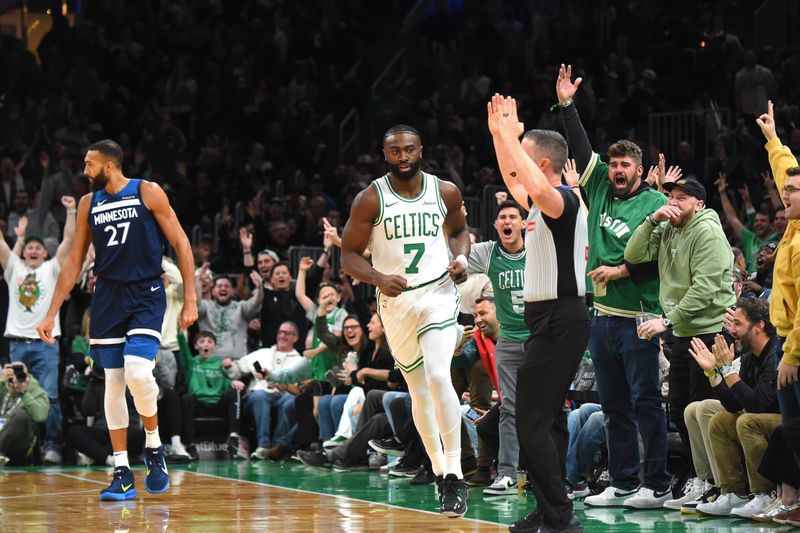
(418, 249)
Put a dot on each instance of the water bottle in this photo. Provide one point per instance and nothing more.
(352, 358)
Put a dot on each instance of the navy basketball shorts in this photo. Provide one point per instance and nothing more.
(126, 319)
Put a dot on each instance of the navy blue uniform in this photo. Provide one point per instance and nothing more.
(128, 303)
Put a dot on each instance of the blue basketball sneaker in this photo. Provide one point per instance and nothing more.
(157, 480)
(121, 487)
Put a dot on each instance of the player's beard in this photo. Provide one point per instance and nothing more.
(100, 181)
(408, 174)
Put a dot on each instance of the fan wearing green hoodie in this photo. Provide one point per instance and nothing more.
(211, 391)
(695, 265)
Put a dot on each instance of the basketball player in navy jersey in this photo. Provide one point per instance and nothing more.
(126, 220)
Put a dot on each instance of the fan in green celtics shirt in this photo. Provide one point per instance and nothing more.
(619, 200)
(503, 261)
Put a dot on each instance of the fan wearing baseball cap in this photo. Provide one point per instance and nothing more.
(695, 266)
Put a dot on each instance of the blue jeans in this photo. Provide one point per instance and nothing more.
(626, 368)
(788, 397)
(587, 436)
(260, 403)
(387, 399)
(329, 411)
(42, 362)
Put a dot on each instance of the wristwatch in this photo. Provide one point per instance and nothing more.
(666, 321)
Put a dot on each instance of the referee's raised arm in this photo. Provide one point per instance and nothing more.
(523, 177)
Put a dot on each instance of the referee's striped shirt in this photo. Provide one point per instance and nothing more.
(557, 252)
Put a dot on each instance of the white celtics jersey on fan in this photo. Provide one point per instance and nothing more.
(408, 236)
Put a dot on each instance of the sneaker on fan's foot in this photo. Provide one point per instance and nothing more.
(401, 469)
(177, 454)
(692, 490)
(121, 487)
(279, 452)
(260, 454)
(337, 440)
(424, 476)
(611, 497)
(52, 457)
(786, 512)
(723, 505)
(792, 518)
(84, 460)
(318, 459)
(708, 496)
(769, 511)
(579, 491)
(388, 446)
(502, 486)
(648, 499)
(454, 496)
(754, 506)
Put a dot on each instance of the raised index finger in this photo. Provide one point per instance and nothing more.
(770, 112)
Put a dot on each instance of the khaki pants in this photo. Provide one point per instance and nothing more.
(734, 435)
(697, 416)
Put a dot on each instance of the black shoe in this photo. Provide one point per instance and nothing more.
(233, 445)
(401, 469)
(481, 478)
(535, 524)
(454, 496)
(423, 477)
(529, 523)
(388, 446)
(318, 459)
(340, 466)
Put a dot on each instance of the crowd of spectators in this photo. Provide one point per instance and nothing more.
(235, 112)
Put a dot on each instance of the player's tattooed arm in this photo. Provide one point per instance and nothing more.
(355, 238)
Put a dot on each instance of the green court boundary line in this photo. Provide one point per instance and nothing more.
(339, 496)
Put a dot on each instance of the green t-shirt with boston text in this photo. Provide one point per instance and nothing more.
(611, 223)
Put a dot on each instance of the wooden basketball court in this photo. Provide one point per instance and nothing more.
(67, 500)
(287, 496)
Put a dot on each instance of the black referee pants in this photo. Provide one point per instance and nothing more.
(559, 336)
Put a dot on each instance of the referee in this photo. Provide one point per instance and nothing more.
(556, 243)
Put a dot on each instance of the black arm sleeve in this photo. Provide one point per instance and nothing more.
(635, 270)
(577, 139)
(313, 279)
(324, 334)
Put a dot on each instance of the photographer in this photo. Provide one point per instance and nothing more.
(23, 404)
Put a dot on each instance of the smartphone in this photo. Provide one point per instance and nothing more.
(472, 414)
(258, 368)
(19, 373)
(332, 376)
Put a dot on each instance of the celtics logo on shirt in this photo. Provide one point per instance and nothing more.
(29, 292)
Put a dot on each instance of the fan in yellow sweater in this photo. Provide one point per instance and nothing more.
(786, 276)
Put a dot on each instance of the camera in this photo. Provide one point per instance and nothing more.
(19, 373)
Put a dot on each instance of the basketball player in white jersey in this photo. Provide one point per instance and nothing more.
(410, 219)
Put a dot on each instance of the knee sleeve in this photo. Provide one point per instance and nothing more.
(114, 400)
(142, 383)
